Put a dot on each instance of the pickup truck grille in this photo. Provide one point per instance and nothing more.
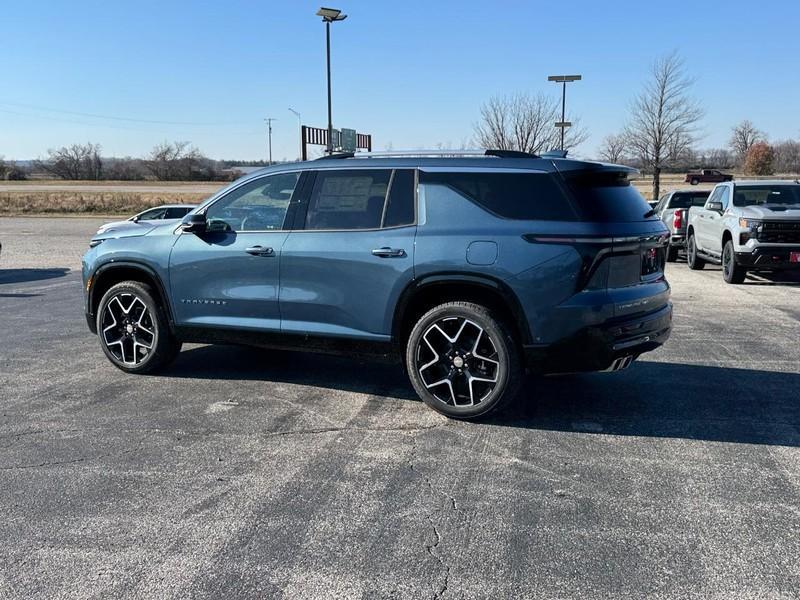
(780, 232)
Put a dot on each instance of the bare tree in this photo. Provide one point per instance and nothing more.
(173, 161)
(743, 136)
(664, 118)
(78, 161)
(787, 157)
(613, 148)
(524, 122)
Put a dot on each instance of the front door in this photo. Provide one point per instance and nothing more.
(228, 276)
(350, 254)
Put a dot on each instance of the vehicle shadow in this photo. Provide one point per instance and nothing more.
(382, 378)
(785, 278)
(649, 399)
(27, 275)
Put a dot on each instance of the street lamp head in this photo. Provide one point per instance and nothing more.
(331, 14)
(564, 78)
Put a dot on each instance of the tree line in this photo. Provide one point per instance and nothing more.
(167, 161)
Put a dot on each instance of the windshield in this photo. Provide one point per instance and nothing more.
(688, 199)
(752, 195)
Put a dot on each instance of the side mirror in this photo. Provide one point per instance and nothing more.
(716, 206)
(194, 223)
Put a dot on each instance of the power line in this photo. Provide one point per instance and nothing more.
(117, 118)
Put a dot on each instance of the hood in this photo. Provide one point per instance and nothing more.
(772, 212)
(126, 229)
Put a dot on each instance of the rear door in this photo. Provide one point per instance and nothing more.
(228, 275)
(350, 253)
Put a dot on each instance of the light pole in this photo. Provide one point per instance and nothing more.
(300, 130)
(563, 80)
(329, 15)
(269, 121)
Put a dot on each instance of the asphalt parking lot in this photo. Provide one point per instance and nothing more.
(255, 473)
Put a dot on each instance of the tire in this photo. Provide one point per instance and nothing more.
(672, 253)
(463, 361)
(694, 181)
(695, 262)
(731, 272)
(133, 329)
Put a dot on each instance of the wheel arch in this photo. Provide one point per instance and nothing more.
(421, 295)
(726, 235)
(115, 272)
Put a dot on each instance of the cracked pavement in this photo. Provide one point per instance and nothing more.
(262, 474)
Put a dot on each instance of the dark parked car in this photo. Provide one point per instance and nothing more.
(707, 176)
(469, 268)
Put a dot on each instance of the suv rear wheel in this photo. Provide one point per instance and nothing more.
(133, 329)
(463, 361)
(731, 272)
(695, 262)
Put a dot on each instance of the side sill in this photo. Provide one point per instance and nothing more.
(383, 351)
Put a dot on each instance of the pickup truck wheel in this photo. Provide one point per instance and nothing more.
(694, 181)
(731, 272)
(672, 253)
(463, 361)
(133, 329)
(695, 262)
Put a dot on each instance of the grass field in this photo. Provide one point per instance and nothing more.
(130, 197)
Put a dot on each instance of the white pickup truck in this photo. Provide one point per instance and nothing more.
(746, 226)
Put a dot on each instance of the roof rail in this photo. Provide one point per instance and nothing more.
(438, 153)
(337, 155)
(510, 153)
(555, 154)
(418, 153)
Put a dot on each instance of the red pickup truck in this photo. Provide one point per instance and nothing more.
(707, 176)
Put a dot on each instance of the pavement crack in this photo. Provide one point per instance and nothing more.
(432, 548)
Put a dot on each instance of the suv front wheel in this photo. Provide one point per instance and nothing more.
(133, 329)
(463, 361)
(731, 271)
(695, 262)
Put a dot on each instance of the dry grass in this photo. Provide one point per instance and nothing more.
(104, 203)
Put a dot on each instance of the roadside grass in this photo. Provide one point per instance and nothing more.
(88, 203)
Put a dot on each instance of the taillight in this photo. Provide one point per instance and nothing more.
(677, 219)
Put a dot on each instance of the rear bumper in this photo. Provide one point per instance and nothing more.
(596, 348)
(768, 258)
(678, 239)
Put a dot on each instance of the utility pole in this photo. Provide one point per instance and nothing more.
(563, 80)
(269, 121)
(300, 129)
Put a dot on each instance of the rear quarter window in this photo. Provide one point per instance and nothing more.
(607, 196)
(520, 196)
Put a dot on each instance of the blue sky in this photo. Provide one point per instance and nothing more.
(411, 73)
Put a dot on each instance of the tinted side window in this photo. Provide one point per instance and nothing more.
(606, 197)
(400, 203)
(259, 205)
(348, 199)
(523, 196)
(176, 212)
(150, 215)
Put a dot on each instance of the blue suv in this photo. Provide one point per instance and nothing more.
(471, 268)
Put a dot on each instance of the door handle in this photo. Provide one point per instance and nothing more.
(260, 251)
(387, 252)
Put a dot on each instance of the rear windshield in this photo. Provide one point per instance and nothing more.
(766, 194)
(523, 196)
(688, 199)
(607, 197)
